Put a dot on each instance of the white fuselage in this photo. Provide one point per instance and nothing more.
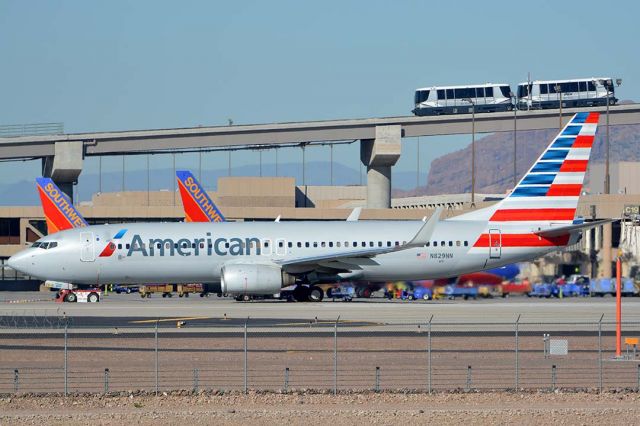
(196, 252)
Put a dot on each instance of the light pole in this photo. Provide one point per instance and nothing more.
(473, 151)
(558, 90)
(608, 84)
(515, 138)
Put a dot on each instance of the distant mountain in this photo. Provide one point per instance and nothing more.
(451, 173)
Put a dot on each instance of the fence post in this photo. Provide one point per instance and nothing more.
(553, 377)
(286, 380)
(16, 381)
(196, 374)
(468, 386)
(600, 384)
(245, 355)
(637, 379)
(66, 383)
(106, 381)
(429, 353)
(517, 354)
(335, 357)
(156, 350)
(377, 388)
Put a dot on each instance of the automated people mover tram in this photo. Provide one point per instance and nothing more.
(439, 100)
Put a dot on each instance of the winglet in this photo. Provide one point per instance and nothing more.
(278, 218)
(424, 234)
(355, 215)
(59, 211)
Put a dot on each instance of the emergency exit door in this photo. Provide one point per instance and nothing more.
(87, 252)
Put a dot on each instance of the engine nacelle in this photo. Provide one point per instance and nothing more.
(247, 278)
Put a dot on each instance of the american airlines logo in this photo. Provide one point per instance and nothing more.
(207, 246)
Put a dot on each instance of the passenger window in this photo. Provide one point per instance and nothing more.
(388, 243)
(458, 243)
(167, 246)
(226, 245)
(119, 246)
(543, 89)
(290, 244)
(323, 244)
(346, 243)
(379, 243)
(53, 244)
(397, 243)
(315, 244)
(450, 94)
(442, 243)
(266, 244)
(159, 246)
(440, 94)
(591, 86)
(370, 243)
(355, 244)
(466, 243)
(479, 92)
(435, 244)
(280, 244)
(128, 246)
(450, 243)
(306, 244)
(583, 86)
(338, 244)
(193, 245)
(489, 92)
(330, 243)
(427, 244)
(201, 245)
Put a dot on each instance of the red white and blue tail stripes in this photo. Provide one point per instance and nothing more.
(549, 191)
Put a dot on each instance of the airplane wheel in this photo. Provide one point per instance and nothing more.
(316, 294)
(301, 293)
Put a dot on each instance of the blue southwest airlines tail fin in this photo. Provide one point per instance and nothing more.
(58, 208)
(550, 190)
(198, 206)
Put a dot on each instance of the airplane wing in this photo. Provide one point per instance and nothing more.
(342, 258)
(564, 230)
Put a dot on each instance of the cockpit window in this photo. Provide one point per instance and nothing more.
(45, 245)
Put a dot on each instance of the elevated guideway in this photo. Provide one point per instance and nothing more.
(380, 140)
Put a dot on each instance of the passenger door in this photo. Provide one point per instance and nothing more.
(87, 252)
(495, 244)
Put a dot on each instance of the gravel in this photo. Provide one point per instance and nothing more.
(579, 408)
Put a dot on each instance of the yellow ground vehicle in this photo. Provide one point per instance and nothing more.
(165, 289)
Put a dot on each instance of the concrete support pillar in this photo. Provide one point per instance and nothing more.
(65, 166)
(606, 250)
(379, 155)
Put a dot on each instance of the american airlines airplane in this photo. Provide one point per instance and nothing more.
(261, 257)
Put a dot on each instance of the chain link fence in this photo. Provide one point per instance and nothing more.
(59, 357)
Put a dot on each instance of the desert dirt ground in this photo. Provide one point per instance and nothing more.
(235, 408)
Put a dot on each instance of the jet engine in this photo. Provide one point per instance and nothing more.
(239, 278)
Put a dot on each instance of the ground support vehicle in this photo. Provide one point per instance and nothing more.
(544, 290)
(119, 289)
(515, 288)
(420, 293)
(185, 289)
(452, 292)
(92, 295)
(346, 293)
(165, 289)
(603, 286)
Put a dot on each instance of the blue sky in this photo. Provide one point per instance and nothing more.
(155, 64)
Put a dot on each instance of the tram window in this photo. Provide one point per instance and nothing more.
(505, 91)
(543, 89)
(440, 94)
(571, 86)
(479, 92)
(583, 86)
(450, 94)
(489, 92)
(591, 86)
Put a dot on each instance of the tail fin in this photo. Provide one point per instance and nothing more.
(198, 206)
(58, 208)
(550, 190)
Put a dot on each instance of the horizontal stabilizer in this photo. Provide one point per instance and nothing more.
(564, 230)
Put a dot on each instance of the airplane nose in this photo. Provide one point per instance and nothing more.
(19, 262)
